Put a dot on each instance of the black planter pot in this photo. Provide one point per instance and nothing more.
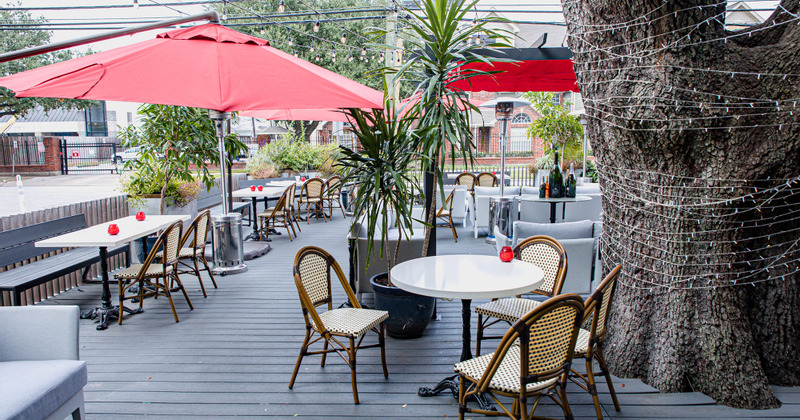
(409, 314)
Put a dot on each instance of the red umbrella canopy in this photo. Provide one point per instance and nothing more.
(298, 114)
(205, 66)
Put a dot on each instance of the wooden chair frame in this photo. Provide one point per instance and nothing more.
(198, 232)
(311, 195)
(598, 309)
(558, 362)
(333, 192)
(291, 200)
(520, 254)
(170, 234)
(315, 326)
(486, 177)
(445, 216)
(281, 213)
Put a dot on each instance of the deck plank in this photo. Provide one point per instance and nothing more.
(233, 355)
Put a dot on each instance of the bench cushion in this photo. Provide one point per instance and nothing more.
(567, 230)
(36, 389)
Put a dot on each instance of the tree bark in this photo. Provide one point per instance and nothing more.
(694, 132)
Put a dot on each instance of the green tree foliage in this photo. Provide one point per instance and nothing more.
(298, 39)
(172, 140)
(16, 40)
(555, 125)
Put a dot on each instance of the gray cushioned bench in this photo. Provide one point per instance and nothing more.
(17, 245)
(40, 374)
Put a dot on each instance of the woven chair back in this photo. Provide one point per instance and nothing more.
(313, 188)
(549, 255)
(333, 186)
(600, 301)
(200, 227)
(486, 179)
(466, 179)
(292, 190)
(169, 241)
(313, 267)
(547, 337)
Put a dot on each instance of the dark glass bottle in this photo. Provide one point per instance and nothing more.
(543, 188)
(571, 184)
(556, 179)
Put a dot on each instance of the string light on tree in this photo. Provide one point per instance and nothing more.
(281, 7)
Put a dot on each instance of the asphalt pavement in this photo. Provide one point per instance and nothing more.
(53, 191)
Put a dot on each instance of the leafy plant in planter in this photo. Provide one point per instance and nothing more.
(441, 43)
(384, 188)
(175, 144)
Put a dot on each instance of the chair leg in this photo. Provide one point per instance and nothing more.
(562, 395)
(382, 343)
(199, 279)
(169, 297)
(341, 208)
(604, 368)
(462, 402)
(352, 353)
(453, 229)
(183, 289)
(324, 355)
(303, 350)
(208, 269)
(591, 384)
(121, 284)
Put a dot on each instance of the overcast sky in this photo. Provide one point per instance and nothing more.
(167, 13)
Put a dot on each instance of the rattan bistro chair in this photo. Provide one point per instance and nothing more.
(444, 216)
(149, 273)
(278, 216)
(334, 327)
(590, 343)
(291, 200)
(543, 252)
(468, 180)
(333, 193)
(194, 251)
(486, 179)
(532, 360)
(311, 198)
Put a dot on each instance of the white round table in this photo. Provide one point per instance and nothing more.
(553, 202)
(464, 277)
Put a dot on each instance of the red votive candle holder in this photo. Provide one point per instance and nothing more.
(494, 173)
(140, 215)
(506, 254)
(252, 188)
(302, 179)
(113, 229)
(261, 188)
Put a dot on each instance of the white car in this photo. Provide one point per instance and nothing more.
(127, 154)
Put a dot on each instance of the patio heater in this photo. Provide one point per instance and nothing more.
(501, 212)
(227, 240)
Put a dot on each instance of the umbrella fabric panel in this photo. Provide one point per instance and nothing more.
(521, 76)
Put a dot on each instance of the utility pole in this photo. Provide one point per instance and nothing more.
(389, 59)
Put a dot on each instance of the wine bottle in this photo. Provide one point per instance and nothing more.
(556, 179)
(571, 186)
(543, 188)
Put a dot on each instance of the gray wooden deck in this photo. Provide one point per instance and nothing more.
(233, 356)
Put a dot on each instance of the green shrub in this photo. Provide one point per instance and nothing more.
(297, 155)
(260, 166)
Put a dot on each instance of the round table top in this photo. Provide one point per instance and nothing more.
(536, 198)
(466, 276)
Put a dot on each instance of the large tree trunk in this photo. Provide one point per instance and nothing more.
(697, 148)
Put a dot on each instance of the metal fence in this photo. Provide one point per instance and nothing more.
(82, 155)
(21, 150)
(519, 174)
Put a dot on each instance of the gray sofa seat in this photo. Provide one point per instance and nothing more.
(40, 374)
(36, 389)
(580, 243)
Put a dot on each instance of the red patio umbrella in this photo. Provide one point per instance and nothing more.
(205, 66)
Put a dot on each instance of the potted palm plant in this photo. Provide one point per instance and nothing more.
(384, 191)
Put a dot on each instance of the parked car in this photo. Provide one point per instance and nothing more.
(127, 154)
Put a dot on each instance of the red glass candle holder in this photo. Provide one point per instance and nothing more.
(302, 179)
(113, 229)
(494, 172)
(261, 188)
(140, 215)
(252, 188)
(506, 254)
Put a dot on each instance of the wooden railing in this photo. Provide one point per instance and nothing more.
(96, 212)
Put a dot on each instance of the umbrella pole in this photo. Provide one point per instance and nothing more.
(503, 135)
(219, 123)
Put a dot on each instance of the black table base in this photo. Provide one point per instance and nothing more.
(106, 311)
(451, 382)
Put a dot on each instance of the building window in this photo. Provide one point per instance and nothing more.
(556, 99)
(96, 123)
(521, 118)
(130, 118)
